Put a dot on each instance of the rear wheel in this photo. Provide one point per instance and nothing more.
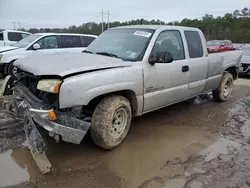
(223, 92)
(111, 121)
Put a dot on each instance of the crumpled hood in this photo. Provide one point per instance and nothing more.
(7, 48)
(66, 64)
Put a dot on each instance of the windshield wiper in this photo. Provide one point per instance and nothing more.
(86, 51)
(107, 54)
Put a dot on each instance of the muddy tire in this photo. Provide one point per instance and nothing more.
(111, 121)
(223, 92)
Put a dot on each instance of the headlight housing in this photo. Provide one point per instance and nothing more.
(49, 85)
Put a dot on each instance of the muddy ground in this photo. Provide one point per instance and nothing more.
(197, 143)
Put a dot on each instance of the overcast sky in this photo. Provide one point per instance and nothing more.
(63, 13)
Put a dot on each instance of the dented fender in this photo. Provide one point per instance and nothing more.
(81, 89)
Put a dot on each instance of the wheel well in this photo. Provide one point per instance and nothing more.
(130, 95)
(233, 71)
(7, 66)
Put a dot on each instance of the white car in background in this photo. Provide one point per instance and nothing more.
(42, 44)
(9, 37)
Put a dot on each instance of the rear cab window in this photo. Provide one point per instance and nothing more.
(195, 47)
(70, 41)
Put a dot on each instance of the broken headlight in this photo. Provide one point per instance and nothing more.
(49, 85)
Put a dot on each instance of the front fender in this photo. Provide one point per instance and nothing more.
(8, 59)
(81, 89)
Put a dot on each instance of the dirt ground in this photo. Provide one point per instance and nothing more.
(193, 144)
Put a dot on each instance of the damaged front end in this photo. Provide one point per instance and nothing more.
(41, 114)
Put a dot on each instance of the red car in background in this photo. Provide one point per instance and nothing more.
(219, 45)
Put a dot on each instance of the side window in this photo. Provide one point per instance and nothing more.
(194, 43)
(170, 41)
(68, 41)
(1, 36)
(49, 42)
(13, 36)
(87, 40)
(223, 43)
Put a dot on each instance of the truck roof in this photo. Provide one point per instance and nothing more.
(73, 34)
(16, 31)
(155, 27)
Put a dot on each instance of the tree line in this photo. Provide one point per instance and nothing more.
(234, 26)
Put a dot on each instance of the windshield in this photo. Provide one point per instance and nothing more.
(246, 51)
(213, 43)
(26, 41)
(127, 44)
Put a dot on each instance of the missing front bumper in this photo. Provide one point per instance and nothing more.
(35, 115)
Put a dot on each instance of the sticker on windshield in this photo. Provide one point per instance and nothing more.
(142, 33)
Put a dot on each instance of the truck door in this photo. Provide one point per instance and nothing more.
(198, 62)
(48, 46)
(166, 83)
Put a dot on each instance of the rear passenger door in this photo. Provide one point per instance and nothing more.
(70, 44)
(198, 62)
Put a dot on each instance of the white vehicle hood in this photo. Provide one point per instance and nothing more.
(67, 64)
(7, 48)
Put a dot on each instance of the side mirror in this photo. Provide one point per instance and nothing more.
(161, 57)
(36, 46)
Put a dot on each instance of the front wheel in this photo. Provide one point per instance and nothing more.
(224, 90)
(12, 70)
(111, 121)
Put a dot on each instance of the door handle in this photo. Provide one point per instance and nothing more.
(185, 69)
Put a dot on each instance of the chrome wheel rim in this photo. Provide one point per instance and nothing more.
(14, 71)
(119, 122)
(227, 88)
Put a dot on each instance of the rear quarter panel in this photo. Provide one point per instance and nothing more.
(218, 63)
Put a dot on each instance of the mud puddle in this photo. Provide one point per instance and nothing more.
(11, 172)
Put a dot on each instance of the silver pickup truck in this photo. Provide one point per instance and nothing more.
(127, 71)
